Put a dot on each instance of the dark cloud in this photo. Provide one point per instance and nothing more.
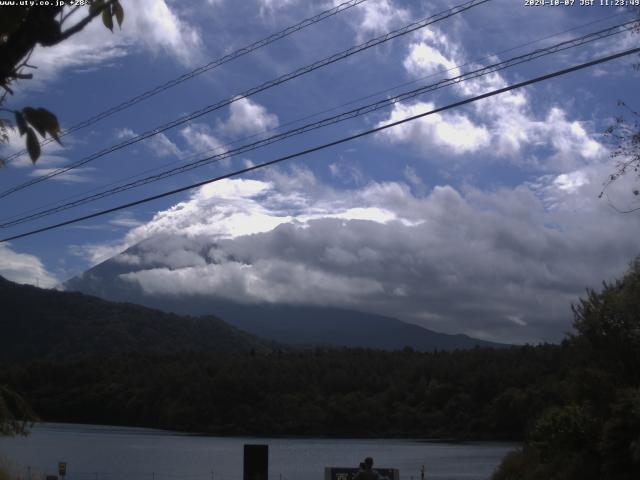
(498, 265)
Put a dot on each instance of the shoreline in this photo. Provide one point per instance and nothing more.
(138, 430)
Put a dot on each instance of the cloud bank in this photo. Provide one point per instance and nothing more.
(24, 268)
(500, 265)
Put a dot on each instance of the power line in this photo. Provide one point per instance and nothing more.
(306, 117)
(252, 91)
(204, 68)
(330, 144)
(553, 49)
(301, 71)
(318, 113)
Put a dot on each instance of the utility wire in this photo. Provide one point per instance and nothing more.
(330, 144)
(316, 114)
(553, 49)
(204, 68)
(252, 91)
(618, 209)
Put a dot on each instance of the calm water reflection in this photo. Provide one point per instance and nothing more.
(115, 453)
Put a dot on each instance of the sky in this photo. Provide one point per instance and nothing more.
(483, 219)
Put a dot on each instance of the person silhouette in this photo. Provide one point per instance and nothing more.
(367, 472)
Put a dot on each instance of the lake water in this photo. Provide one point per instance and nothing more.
(116, 453)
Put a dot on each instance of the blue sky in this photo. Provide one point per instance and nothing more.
(483, 220)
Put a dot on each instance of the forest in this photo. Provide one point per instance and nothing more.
(575, 406)
(477, 393)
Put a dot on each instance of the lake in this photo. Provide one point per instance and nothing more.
(118, 453)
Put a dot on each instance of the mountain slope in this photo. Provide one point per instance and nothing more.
(296, 325)
(38, 323)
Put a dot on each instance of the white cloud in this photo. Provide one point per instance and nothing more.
(24, 268)
(269, 6)
(51, 153)
(77, 175)
(501, 264)
(504, 122)
(248, 117)
(376, 17)
(200, 138)
(425, 60)
(159, 28)
(570, 182)
(412, 177)
(576, 190)
(160, 144)
(245, 118)
(125, 219)
(452, 133)
(85, 52)
(162, 147)
(265, 281)
(236, 213)
(346, 172)
(433, 54)
(125, 133)
(149, 24)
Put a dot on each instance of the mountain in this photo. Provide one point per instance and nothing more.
(290, 324)
(39, 323)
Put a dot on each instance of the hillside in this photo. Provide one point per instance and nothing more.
(49, 324)
(298, 325)
(477, 393)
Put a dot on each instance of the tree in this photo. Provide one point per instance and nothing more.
(593, 430)
(608, 326)
(620, 444)
(15, 413)
(22, 28)
(625, 132)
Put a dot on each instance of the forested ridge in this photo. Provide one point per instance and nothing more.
(575, 406)
(39, 323)
(479, 393)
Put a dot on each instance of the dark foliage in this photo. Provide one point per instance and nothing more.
(479, 393)
(15, 414)
(593, 432)
(23, 27)
(576, 405)
(39, 323)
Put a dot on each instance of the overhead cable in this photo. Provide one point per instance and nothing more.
(357, 112)
(252, 91)
(235, 173)
(202, 69)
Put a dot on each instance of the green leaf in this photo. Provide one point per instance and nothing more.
(34, 117)
(95, 7)
(106, 19)
(118, 11)
(33, 146)
(42, 120)
(50, 122)
(21, 123)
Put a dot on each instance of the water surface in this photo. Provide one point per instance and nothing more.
(117, 453)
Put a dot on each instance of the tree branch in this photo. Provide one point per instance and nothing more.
(84, 22)
(69, 13)
(39, 26)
